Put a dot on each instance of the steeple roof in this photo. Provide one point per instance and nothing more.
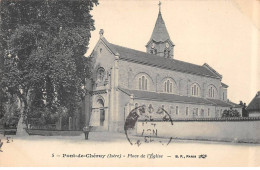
(160, 33)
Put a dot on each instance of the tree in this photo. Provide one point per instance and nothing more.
(231, 113)
(42, 45)
(244, 111)
(3, 100)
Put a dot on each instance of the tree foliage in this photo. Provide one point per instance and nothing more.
(244, 111)
(231, 113)
(42, 48)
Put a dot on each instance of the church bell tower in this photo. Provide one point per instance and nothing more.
(160, 42)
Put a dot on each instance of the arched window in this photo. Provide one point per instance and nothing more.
(143, 83)
(177, 110)
(153, 51)
(100, 74)
(171, 109)
(195, 90)
(168, 86)
(167, 53)
(212, 92)
(101, 111)
(202, 112)
(195, 112)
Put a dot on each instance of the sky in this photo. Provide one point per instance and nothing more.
(223, 33)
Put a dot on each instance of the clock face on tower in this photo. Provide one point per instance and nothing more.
(167, 45)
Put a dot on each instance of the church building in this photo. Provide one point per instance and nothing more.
(126, 78)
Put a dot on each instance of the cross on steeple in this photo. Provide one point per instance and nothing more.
(159, 6)
(160, 42)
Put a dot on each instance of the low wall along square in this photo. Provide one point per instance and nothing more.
(219, 130)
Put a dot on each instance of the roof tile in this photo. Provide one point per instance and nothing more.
(165, 97)
(220, 103)
(156, 61)
(160, 33)
(254, 105)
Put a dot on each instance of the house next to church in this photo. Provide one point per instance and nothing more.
(254, 106)
(126, 78)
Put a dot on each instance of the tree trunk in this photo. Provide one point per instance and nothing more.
(23, 118)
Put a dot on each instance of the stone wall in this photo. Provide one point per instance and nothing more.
(214, 130)
(254, 114)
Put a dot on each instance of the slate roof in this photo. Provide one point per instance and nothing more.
(224, 85)
(165, 97)
(254, 105)
(221, 103)
(138, 94)
(235, 105)
(144, 58)
(160, 33)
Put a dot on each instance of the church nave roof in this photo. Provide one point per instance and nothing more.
(144, 58)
